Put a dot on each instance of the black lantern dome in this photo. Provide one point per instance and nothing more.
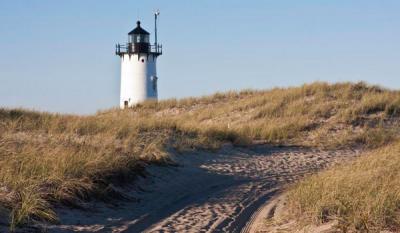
(138, 30)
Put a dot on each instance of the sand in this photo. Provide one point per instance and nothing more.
(271, 219)
(225, 191)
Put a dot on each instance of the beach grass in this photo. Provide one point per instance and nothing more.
(51, 159)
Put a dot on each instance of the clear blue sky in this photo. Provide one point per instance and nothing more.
(58, 56)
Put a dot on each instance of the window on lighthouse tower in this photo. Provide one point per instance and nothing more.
(140, 38)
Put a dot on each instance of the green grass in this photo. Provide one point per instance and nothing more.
(48, 159)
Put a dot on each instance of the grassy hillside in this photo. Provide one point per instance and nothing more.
(314, 115)
(49, 159)
(364, 196)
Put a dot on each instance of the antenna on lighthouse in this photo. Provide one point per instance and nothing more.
(156, 14)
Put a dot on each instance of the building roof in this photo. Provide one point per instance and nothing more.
(138, 30)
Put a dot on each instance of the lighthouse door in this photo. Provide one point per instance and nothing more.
(125, 104)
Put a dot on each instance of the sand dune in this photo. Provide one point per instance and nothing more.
(206, 192)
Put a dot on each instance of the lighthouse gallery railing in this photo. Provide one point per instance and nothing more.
(129, 48)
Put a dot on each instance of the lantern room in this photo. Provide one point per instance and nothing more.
(139, 43)
(139, 35)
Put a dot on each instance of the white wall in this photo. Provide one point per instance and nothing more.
(137, 79)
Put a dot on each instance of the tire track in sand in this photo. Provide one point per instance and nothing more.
(209, 192)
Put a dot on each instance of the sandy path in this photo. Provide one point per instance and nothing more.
(208, 192)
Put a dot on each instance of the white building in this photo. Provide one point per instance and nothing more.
(138, 67)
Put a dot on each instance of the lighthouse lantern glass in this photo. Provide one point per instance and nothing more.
(139, 38)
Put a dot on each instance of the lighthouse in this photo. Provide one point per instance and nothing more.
(138, 66)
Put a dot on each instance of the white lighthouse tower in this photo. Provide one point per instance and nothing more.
(138, 66)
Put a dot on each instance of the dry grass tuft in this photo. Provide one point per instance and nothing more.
(364, 196)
